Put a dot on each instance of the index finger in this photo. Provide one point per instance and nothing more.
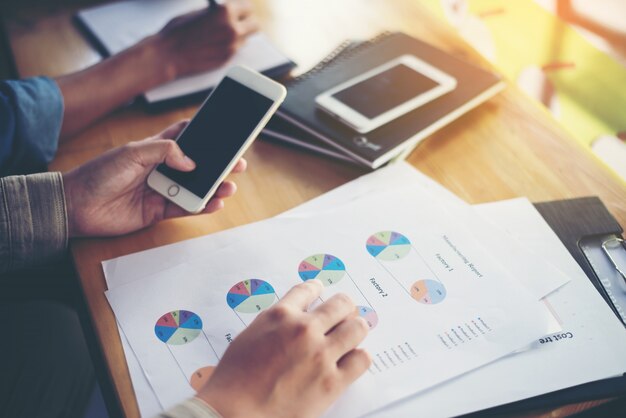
(241, 166)
(303, 295)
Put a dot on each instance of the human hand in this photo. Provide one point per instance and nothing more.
(308, 356)
(205, 39)
(109, 195)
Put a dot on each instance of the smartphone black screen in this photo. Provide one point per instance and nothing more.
(384, 91)
(216, 133)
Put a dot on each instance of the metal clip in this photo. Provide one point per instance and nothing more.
(615, 242)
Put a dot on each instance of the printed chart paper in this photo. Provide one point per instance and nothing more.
(537, 275)
(590, 347)
(432, 296)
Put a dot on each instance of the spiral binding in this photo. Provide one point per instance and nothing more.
(343, 51)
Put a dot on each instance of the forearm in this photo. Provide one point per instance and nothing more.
(92, 93)
(189, 44)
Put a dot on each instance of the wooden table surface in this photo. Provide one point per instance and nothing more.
(506, 148)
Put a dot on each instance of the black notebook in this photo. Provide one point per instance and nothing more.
(280, 130)
(474, 86)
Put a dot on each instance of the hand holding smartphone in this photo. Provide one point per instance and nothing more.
(218, 135)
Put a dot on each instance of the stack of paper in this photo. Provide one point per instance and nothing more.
(445, 292)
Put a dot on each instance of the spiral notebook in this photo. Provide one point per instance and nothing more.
(397, 138)
(281, 130)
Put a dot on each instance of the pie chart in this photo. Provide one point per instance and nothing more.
(428, 292)
(388, 245)
(370, 315)
(251, 296)
(200, 377)
(178, 327)
(325, 267)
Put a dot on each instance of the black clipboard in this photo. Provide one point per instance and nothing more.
(574, 221)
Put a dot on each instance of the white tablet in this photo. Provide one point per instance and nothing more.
(385, 93)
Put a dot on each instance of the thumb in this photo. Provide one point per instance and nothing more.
(155, 151)
(173, 131)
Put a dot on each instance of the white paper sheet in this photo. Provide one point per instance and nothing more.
(121, 25)
(485, 313)
(590, 347)
(147, 400)
(125, 269)
(596, 346)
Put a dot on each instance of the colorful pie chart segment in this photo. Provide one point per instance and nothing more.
(428, 292)
(200, 377)
(370, 315)
(388, 245)
(325, 267)
(251, 296)
(178, 327)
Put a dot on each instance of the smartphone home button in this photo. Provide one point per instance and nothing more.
(173, 190)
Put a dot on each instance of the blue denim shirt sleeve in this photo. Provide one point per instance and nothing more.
(31, 113)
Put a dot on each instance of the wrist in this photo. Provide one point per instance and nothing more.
(206, 407)
(221, 403)
(160, 52)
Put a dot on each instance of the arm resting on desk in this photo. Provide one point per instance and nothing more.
(189, 44)
(97, 90)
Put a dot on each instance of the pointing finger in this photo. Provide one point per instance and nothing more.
(302, 295)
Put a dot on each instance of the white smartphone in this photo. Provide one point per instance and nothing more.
(385, 93)
(218, 135)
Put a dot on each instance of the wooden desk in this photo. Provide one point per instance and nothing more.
(508, 147)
